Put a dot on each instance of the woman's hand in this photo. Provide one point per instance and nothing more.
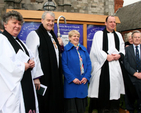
(26, 66)
(31, 63)
(76, 81)
(84, 80)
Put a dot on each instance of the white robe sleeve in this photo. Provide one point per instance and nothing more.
(122, 44)
(32, 42)
(97, 55)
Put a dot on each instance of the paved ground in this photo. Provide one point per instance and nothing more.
(120, 111)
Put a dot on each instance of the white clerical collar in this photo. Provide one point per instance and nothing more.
(49, 33)
(14, 37)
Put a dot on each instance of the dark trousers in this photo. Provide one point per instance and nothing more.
(112, 106)
(130, 106)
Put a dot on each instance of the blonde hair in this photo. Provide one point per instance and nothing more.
(135, 31)
(127, 36)
(73, 32)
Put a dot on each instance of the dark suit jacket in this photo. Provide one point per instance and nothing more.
(130, 64)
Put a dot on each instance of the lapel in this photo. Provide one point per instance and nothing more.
(131, 49)
(140, 56)
(140, 52)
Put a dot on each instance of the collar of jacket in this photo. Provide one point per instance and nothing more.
(70, 46)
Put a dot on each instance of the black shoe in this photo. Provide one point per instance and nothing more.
(114, 111)
(104, 111)
(131, 111)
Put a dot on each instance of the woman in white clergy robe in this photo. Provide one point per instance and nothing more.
(17, 69)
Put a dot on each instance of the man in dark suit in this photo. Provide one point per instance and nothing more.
(132, 64)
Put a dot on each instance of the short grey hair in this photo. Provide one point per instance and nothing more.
(12, 15)
(135, 31)
(48, 12)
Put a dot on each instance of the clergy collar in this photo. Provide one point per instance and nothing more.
(108, 31)
(14, 37)
(49, 33)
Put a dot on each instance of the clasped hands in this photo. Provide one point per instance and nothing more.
(30, 64)
(113, 57)
(77, 81)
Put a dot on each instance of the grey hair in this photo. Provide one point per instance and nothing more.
(135, 31)
(48, 12)
(12, 15)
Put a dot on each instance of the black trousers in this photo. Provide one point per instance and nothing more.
(111, 105)
(130, 106)
(75, 105)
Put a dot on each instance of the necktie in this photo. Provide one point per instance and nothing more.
(137, 59)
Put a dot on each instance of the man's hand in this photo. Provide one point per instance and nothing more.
(116, 56)
(37, 83)
(110, 58)
(138, 75)
(60, 41)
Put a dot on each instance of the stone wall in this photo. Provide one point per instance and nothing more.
(101, 7)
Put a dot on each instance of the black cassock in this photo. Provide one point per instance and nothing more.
(52, 101)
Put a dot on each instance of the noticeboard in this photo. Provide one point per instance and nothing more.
(91, 30)
(64, 29)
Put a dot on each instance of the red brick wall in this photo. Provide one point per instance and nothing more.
(118, 4)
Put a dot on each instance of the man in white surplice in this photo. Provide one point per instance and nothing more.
(106, 95)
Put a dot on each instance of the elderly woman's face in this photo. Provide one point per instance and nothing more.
(13, 27)
(130, 40)
(74, 39)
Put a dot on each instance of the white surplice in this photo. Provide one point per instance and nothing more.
(98, 57)
(33, 38)
(11, 73)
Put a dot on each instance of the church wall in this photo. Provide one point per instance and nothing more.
(101, 7)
